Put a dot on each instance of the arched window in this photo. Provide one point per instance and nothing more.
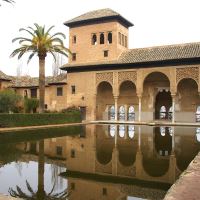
(121, 113)
(162, 131)
(131, 113)
(112, 130)
(198, 114)
(121, 131)
(198, 134)
(109, 38)
(163, 112)
(123, 40)
(101, 38)
(170, 113)
(120, 38)
(126, 42)
(131, 131)
(170, 131)
(111, 112)
(94, 39)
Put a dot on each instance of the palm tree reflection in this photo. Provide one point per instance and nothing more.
(40, 194)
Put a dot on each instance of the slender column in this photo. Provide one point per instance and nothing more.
(139, 157)
(139, 138)
(173, 139)
(94, 111)
(116, 107)
(139, 107)
(115, 155)
(126, 113)
(116, 130)
(173, 108)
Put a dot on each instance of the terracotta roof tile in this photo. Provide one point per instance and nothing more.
(161, 53)
(150, 54)
(27, 81)
(4, 76)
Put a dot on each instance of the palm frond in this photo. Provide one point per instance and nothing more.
(47, 32)
(58, 40)
(23, 29)
(40, 43)
(57, 34)
(30, 57)
(20, 38)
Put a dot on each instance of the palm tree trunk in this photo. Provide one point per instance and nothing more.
(41, 192)
(41, 84)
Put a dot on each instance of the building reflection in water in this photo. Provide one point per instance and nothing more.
(150, 154)
(149, 159)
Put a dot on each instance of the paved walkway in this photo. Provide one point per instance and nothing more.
(153, 123)
(187, 187)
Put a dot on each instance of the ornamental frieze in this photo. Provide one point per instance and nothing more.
(127, 76)
(108, 77)
(188, 72)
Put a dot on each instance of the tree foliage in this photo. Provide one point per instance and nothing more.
(40, 42)
(30, 105)
(8, 101)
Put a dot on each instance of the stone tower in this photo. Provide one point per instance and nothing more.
(97, 36)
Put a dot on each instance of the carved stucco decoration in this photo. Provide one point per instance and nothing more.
(106, 76)
(127, 76)
(188, 72)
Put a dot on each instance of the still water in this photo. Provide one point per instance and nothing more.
(95, 162)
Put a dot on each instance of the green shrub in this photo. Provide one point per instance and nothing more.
(70, 109)
(31, 105)
(8, 101)
(14, 120)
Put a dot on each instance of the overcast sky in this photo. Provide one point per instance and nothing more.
(156, 22)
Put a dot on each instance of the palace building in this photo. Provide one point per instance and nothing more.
(107, 80)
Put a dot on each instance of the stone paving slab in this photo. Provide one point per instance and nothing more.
(187, 187)
(153, 123)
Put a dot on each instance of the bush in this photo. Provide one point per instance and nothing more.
(14, 120)
(8, 101)
(31, 105)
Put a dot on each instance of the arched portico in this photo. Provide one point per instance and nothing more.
(156, 93)
(187, 100)
(127, 101)
(104, 100)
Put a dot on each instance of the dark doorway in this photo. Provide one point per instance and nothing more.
(163, 105)
(83, 113)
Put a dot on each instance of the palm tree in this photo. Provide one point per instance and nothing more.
(40, 194)
(40, 43)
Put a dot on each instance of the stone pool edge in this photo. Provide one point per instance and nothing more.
(187, 186)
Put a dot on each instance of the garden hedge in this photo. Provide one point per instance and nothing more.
(19, 119)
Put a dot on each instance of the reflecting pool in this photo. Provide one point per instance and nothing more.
(114, 162)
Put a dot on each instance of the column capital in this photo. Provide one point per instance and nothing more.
(116, 96)
(173, 95)
(139, 95)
